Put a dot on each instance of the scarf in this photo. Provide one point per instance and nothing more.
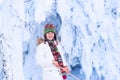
(57, 57)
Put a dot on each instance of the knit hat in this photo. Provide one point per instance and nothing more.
(49, 28)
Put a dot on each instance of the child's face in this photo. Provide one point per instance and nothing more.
(50, 35)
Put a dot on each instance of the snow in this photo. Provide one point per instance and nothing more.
(89, 31)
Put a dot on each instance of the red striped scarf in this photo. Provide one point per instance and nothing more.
(57, 57)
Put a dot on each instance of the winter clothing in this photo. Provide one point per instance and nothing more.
(57, 56)
(44, 59)
(49, 28)
(39, 41)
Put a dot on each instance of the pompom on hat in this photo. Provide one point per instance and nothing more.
(49, 28)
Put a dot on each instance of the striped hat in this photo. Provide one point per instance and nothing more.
(49, 28)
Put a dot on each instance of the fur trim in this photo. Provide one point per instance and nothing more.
(39, 41)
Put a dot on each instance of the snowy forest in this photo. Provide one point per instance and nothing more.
(88, 30)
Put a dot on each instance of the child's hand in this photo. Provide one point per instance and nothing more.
(66, 69)
(55, 63)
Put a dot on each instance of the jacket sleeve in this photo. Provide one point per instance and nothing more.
(41, 58)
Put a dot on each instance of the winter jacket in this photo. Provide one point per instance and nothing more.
(44, 59)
